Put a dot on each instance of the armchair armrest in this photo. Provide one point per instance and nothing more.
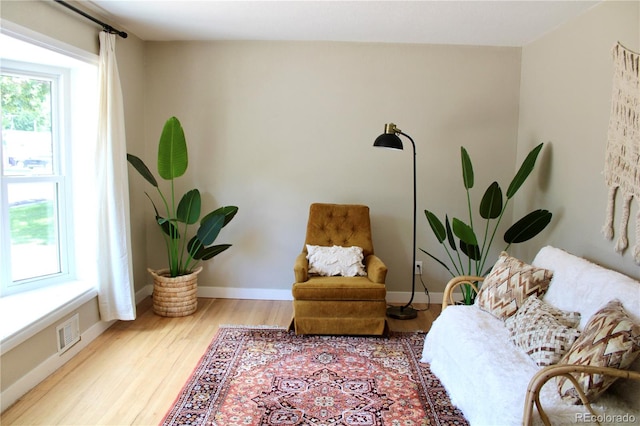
(301, 268)
(548, 373)
(376, 269)
(447, 298)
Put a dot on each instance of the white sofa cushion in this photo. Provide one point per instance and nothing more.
(485, 375)
(581, 286)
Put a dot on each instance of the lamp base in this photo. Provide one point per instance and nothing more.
(401, 313)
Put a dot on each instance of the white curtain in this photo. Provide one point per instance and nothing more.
(115, 278)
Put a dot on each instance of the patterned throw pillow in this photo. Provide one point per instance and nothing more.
(542, 331)
(335, 260)
(509, 284)
(610, 339)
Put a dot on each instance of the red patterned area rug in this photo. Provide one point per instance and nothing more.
(270, 376)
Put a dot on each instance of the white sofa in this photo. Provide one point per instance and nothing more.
(487, 376)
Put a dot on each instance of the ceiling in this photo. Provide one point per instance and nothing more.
(475, 22)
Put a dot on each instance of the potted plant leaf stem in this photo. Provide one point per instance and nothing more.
(175, 288)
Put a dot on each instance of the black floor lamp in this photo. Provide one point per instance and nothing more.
(390, 139)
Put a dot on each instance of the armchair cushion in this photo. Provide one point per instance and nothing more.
(335, 260)
(336, 288)
(340, 224)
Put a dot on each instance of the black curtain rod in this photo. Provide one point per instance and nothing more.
(105, 27)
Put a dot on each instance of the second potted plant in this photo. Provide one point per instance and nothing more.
(175, 288)
(466, 252)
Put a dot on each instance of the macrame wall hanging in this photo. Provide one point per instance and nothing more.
(622, 163)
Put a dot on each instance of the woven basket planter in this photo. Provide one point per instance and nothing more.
(177, 296)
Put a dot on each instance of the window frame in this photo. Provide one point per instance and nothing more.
(60, 177)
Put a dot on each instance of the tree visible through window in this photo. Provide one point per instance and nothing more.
(26, 104)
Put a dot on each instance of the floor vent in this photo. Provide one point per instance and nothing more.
(68, 333)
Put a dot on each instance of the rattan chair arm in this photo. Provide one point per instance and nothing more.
(544, 375)
(447, 298)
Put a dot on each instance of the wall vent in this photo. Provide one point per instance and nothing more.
(68, 333)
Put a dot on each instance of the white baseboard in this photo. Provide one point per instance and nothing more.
(284, 294)
(245, 293)
(144, 293)
(404, 297)
(49, 366)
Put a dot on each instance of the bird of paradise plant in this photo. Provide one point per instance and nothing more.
(468, 254)
(183, 253)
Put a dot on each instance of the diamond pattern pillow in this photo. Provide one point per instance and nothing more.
(509, 284)
(542, 331)
(610, 339)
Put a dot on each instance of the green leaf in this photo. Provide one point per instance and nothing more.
(172, 150)
(199, 252)
(438, 260)
(464, 232)
(229, 213)
(452, 241)
(471, 250)
(527, 227)
(523, 173)
(436, 226)
(165, 224)
(491, 203)
(467, 168)
(168, 227)
(142, 168)
(189, 207)
(210, 228)
(212, 251)
(195, 247)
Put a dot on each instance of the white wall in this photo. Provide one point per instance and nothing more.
(275, 126)
(565, 101)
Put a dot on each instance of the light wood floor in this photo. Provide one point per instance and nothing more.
(132, 373)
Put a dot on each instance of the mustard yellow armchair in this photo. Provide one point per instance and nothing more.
(339, 304)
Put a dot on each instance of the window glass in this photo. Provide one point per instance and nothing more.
(34, 228)
(26, 125)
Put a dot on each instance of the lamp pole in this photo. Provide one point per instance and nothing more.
(390, 139)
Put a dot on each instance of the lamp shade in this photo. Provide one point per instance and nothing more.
(388, 140)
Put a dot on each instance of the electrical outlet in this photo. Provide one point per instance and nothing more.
(417, 268)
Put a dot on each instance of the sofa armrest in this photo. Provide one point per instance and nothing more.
(376, 269)
(301, 268)
(447, 298)
(547, 373)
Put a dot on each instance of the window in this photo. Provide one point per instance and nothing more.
(48, 128)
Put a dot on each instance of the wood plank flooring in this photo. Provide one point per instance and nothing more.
(132, 373)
